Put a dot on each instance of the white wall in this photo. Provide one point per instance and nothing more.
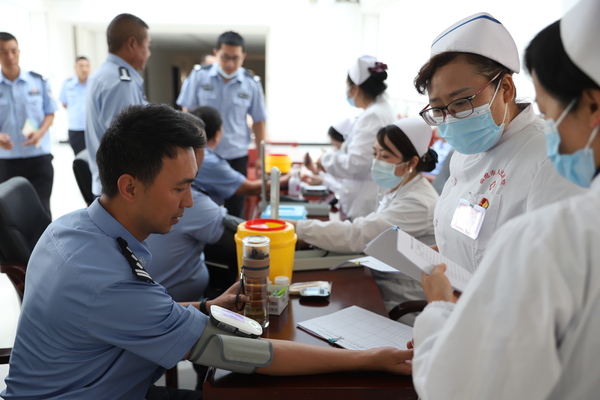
(309, 44)
(407, 30)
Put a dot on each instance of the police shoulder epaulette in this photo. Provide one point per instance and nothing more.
(124, 74)
(251, 75)
(198, 67)
(36, 75)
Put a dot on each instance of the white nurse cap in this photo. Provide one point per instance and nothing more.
(359, 71)
(580, 32)
(479, 34)
(417, 131)
(344, 126)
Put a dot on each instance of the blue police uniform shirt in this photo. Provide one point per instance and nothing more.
(235, 99)
(29, 96)
(178, 256)
(72, 95)
(111, 88)
(217, 178)
(89, 328)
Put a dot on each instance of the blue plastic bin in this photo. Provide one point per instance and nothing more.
(287, 212)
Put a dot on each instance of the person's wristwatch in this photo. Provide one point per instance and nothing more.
(202, 307)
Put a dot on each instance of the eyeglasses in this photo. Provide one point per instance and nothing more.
(226, 58)
(459, 108)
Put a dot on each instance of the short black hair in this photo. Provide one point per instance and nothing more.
(555, 71)
(373, 86)
(406, 148)
(122, 27)
(211, 117)
(138, 139)
(196, 121)
(231, 38)
(5, 37)
(335, 135)
(81, 58)
(482, 65)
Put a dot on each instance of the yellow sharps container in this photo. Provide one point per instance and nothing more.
(283, 243)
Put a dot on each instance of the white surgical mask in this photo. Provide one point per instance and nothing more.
(225, 75)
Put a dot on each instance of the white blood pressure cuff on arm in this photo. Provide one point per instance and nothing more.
(231, 342)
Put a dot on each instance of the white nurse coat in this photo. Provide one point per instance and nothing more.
(528, 324)
(515, 176)
(410, 207)
(352, 164)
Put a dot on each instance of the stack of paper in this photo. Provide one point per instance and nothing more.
(358, 329)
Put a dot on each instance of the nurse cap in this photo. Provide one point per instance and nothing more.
(580, 32)
(417, 131)
(360, 70)
(479, 34)
(343, 127)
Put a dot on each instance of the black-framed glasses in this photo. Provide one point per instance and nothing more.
(459, 108)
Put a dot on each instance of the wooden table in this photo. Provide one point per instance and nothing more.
(351, 286)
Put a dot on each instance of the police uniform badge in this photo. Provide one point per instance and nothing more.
(124, 74)
(207, 87)
(243, 95)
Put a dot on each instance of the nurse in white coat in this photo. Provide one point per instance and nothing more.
(527, 326)
(365, 89)
(399, 154)
(338, 134)
(500, 168)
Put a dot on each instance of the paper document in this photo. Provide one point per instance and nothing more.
(28, 128)
(406, 254)
(358, 329)
(374, 263)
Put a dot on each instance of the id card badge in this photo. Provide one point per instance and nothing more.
(468, 218)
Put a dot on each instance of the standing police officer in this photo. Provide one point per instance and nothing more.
(26, 113)
(235, 92)
(117, 83)
(72, 96)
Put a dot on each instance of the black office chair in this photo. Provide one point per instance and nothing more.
(408, 307)
(83, 176)
(23, 219)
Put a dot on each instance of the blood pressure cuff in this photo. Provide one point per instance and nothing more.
(219, 348)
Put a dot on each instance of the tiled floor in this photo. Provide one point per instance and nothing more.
(65, 198)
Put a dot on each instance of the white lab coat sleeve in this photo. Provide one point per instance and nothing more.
(502, 332)
(355, 163)
(549, 186)
(411, 215)
(332, 183)
(343, 236)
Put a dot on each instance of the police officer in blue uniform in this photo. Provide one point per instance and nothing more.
(96, 325)
(72, 96)
(236, 93)
(116, 84)
(26, 112)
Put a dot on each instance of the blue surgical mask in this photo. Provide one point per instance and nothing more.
(225, 75)
(349, 99)
(383, 174)
(579, 167)
(476, 133)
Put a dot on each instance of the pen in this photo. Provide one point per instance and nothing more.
(280, 292)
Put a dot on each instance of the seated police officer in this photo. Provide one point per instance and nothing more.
(94, 324)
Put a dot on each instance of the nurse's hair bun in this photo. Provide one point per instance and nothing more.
(378, 67)
(428, 162)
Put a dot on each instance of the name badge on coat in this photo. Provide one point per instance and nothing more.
(468, 217)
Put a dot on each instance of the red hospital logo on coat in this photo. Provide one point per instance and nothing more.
(495, 176)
